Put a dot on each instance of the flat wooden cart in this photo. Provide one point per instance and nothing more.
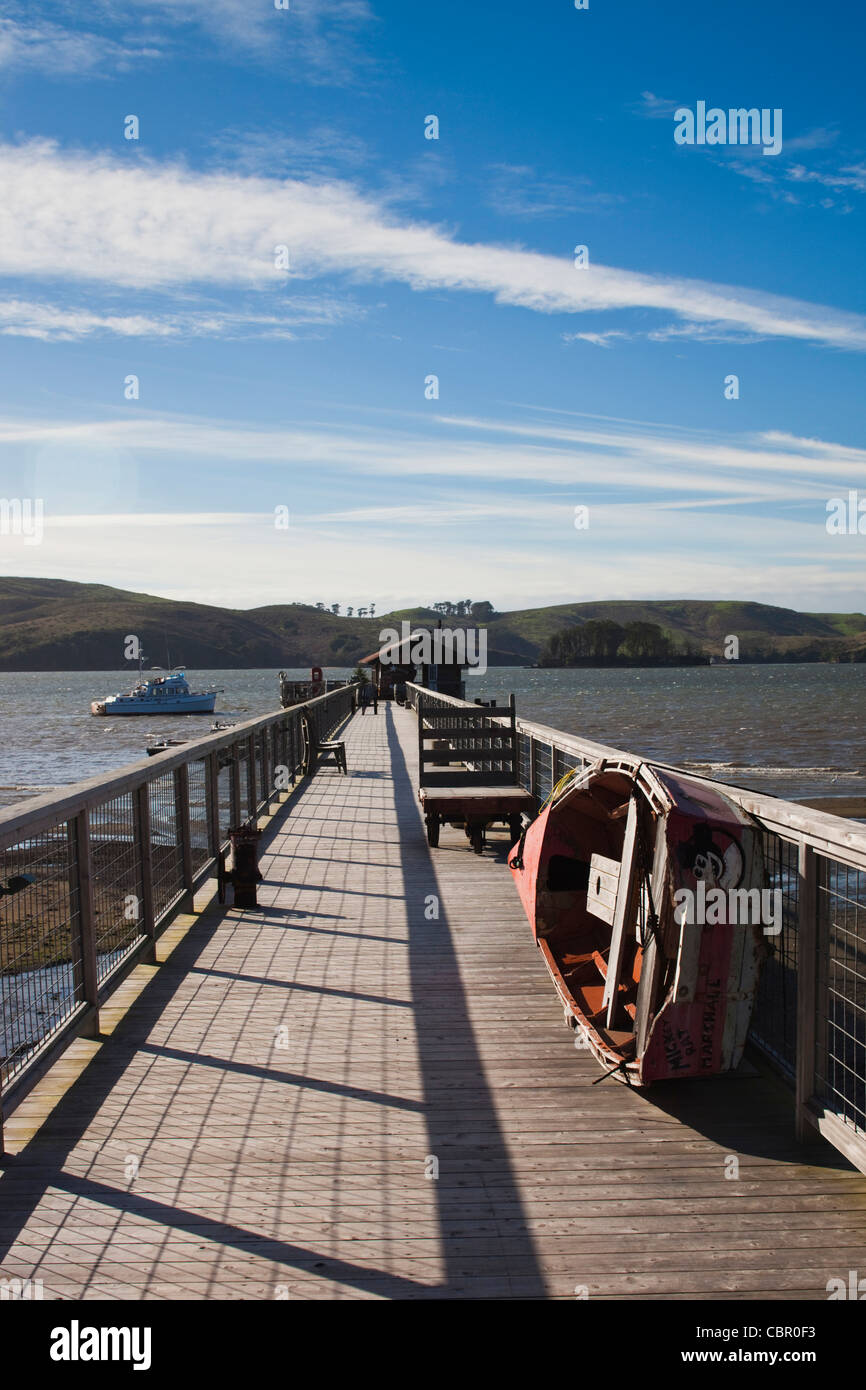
(468, 777)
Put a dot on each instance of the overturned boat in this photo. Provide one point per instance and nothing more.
(647, 895)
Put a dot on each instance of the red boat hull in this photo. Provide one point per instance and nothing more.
(683, 991)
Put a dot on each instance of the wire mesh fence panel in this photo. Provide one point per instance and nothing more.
(244, 808)
(275, 759)
(115, 859)
(774, 1017)
(198, 817)
(840, 1042)
(543, 770)
(261, 791)
(44, 897)
(290, 757)
(41, 978)
(166, 850)
(563, 762)
(296, 744)
(281, 772)
(224, 786)
(524, 761)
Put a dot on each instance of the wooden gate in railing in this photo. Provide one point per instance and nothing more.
(92, 872)
(810, 1014)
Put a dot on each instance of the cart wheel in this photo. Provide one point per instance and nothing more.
(432, 829)
(476, 838)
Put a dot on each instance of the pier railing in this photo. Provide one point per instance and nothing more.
(92, 872)
(810, 1014)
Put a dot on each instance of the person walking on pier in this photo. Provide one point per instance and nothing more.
(369, 693)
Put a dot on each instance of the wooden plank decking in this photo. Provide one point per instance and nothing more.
(267, 1117)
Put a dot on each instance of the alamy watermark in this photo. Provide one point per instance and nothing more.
(77, 1343)
(847, 516)
(443, 646)
(22, 516)
(719, 907)
(737, 126)
(17, 1290)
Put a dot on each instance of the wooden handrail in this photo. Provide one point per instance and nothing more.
(825, 832)
(840, 843)
(39, 812)
(66, 816)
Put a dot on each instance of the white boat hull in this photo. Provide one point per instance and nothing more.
(192, 704)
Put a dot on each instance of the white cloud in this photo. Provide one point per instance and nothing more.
(597, 339)
(655, 108)
(318, 38)
(699, 457)
(271, 152)
(52, 323)
(849, 176)
(98, 219)
(59, 52)
(645, 461)
(516, 190)
(673, 512)
(241, 560)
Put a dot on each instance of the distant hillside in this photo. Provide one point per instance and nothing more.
(57, 625)
(54, 625)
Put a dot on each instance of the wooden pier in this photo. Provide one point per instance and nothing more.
(364, 1089)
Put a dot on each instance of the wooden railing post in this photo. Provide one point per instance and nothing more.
(807, 992)
(141, 803)
(532, 766)
(86, 932)
(181, 810)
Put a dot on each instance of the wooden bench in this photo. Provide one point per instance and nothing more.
(473, 794)
(317, 749)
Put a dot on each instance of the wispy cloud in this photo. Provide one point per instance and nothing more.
(323, 150)
(53, 323)
(646, 459)
(673, 511)
(655, 108)
(603, 340)
(517, 190)
(320, 38)
(156, 226)
(851, 176)
(776, 181)
(51, 49)
(821, 138)
(686, 559)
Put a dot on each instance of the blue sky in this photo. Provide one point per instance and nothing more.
(559, 387)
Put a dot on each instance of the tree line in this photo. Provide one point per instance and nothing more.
(481, 611)
(602, 642)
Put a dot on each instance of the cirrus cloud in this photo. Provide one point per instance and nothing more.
(139, 225)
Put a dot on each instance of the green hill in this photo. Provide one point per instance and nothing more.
(55, 625)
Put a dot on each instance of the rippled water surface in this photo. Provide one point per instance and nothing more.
(792, 730)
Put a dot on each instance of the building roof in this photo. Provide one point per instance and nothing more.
(395, 653)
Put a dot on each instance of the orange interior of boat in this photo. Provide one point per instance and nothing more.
(588, 823)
